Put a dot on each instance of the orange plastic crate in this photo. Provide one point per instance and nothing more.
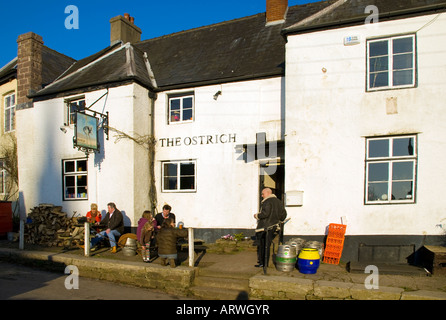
(336, 230)
(334, 241)
(331, 260)
(334, 249)
(332, 257)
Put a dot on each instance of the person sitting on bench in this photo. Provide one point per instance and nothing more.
(114, 223)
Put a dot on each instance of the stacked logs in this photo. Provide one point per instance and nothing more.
(47, 225)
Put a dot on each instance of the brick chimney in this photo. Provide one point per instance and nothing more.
(276, 11)
(124, 29)
(29, 67)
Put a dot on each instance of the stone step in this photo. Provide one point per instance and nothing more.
(209, 272)
(211, 293)
(223, 283)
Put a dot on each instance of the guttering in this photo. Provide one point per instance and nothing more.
(209, 82)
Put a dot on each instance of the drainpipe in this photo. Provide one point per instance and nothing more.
(152, 188)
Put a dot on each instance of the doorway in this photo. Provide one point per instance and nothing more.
(272, 175)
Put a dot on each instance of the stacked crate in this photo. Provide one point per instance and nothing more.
(334, 243)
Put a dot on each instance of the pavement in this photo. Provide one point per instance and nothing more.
(329, 282)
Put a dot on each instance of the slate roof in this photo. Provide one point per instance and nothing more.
(351, 12)
(241, 49)
(235, 50)
(53, 65)
(8, 71)
(119, 63)
(229, 51)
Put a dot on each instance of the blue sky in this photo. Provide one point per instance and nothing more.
(155, 18)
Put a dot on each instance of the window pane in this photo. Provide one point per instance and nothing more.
(379, 48)
(378, 148)
(187, 103)
(12, 123)
(81, 181)
(187, 114)
(175, 104)
(378, 171)
(175, 116)
(403, 147)
(73, 107)
(8, 101)
(402, 61)
(187, 169)
(378, 80)
(170, 169)
(82, 192)
(82, 165)
(81, 105)
(402, 170)
(377, 191)
(7, 121)
(70, 192)
(69, 181)
(187, 183)
(403, 45)
(401, 78)
(402, 190)
(69, 166)
(170, 183)
(379, 64)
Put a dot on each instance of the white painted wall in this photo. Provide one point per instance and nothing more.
(227, 188)
(328, 116)
(118, 174)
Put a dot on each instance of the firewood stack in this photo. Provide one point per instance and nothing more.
(49, 226)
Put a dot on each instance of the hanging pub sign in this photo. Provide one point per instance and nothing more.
(86, 133)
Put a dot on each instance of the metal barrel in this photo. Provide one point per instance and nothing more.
(130, 247)
(319, 246)
(286, 258)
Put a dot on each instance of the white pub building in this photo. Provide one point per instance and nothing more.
(341, 118)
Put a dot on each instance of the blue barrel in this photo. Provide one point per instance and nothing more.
(308, 261)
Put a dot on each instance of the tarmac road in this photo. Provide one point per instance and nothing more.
(18, 282)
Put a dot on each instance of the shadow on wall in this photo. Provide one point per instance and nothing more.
(49, 184)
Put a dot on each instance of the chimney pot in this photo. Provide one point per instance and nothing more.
(132, 20)
(127, 16)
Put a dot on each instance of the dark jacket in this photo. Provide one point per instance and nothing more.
(272, 211)
(167, 239)
(159, 218)
(115, 223)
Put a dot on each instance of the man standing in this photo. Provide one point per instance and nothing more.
(271, 213)
(114, 222)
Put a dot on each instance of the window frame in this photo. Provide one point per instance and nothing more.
(68, 114)
(12, 109)
(391, 159)
(178, 176)
(390, 70)
(181, 97)
(74, 174)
